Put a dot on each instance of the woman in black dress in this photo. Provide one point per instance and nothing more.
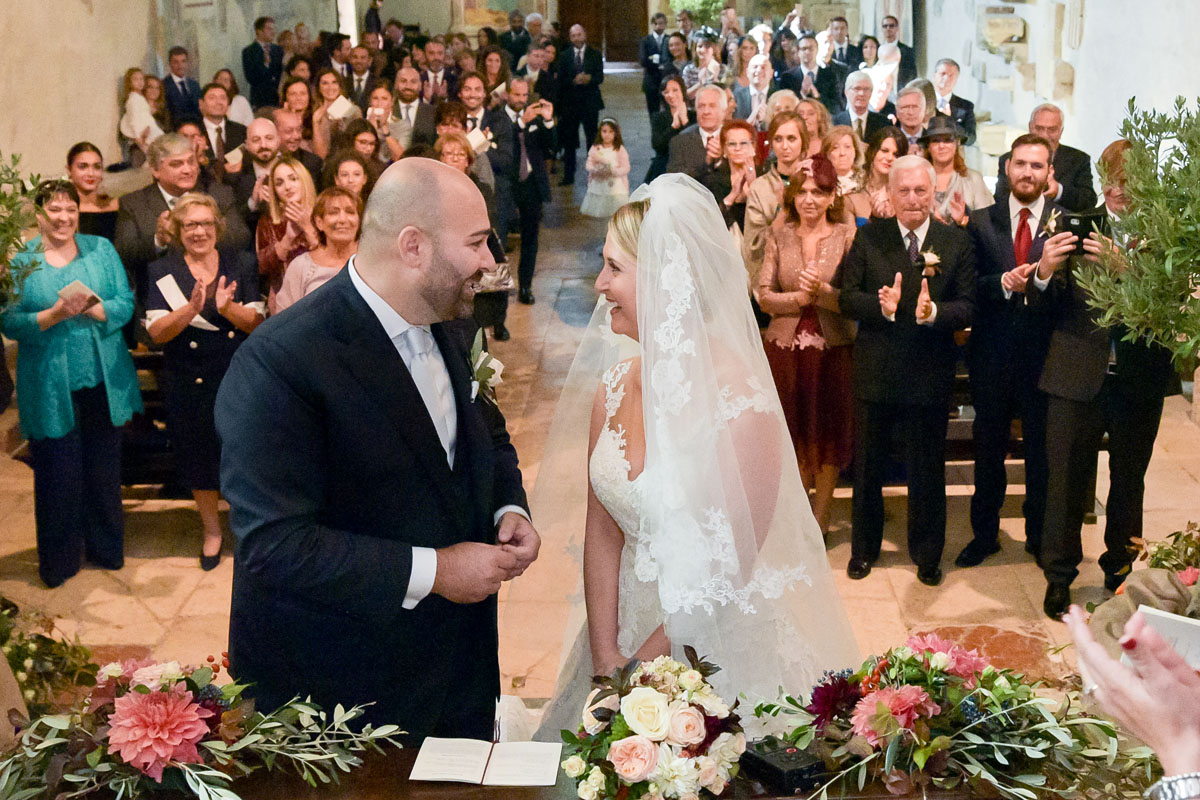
(97, 211)
(667, 122)
(202, 305)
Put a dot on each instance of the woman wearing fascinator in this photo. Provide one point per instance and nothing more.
(698, 531)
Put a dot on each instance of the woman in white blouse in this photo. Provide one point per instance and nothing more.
(239, 107)
(337, 215)
(137, 124)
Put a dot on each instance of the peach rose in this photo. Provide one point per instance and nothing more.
(709, 773)
(590, 724)
(645, 712)
(634, 758)
(686, 726)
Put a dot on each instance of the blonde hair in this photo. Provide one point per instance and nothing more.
(626, 225)
(127, 83)
(782, 96)
(454, 137)
(185, 202)
(306, 185)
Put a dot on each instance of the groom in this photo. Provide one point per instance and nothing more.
(375, 497)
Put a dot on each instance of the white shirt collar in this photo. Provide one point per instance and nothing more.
(706, 135)
(515, 116)
(212, 127)
(437, 75)
(920, 231)
(393, 324)
(1035, 208)
(167, 195)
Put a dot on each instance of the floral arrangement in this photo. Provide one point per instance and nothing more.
(150, 727)
(655, 730)
(1179, 551)
(17, 216)
(931, 714)
(47, 666)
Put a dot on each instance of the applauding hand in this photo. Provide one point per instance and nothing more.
(889, 297)
(225, 295)
(1017, 278)
(924, 303)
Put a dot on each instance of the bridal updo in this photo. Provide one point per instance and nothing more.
(626, 225)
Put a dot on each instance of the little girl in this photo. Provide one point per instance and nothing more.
(608, 172)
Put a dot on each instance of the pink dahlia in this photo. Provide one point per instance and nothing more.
(903, 703)
(150, 731)
(959, 661)
(929, 642)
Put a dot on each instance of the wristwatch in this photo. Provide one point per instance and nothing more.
(1176, 787)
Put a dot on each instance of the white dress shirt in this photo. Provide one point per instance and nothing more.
(706, 135)
(921, 232)
(943, 103)
(210, 129)
(424, 559)
(408, 111)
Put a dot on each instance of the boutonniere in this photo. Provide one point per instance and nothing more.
(1051, 226)
(485, 370)
(931, 264)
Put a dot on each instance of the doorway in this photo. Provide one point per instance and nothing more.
(615, 27)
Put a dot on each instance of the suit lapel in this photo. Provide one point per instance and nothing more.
(1003, 227)
(472, 441)
(1039, 239)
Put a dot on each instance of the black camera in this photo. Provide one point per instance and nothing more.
(782, 767)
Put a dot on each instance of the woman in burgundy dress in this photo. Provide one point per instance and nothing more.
(808, 341)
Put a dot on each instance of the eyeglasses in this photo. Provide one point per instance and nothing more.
(739, 144)
(192, 227)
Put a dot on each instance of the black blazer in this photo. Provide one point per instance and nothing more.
(180, 108)
(263, 78)
(516, 43)
(852, 59)
(908, 66)
(362, 100)
(652, 74)
(449, 76)
(1006, 330)
(539, 144)
(828, 84)
(424, 131)
(875, 121)
(545, 87)
(963, 112)
(686, 152)
(334, 472)
(576, 98)
(235, 136)
(1072, 169)
(903, 362)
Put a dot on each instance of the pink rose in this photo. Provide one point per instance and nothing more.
(686, 726)
(1189, 576)
(904, 703)
(708, 772)
(634, 758)
(590, 724)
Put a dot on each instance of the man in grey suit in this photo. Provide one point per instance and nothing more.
(142, 230)
(699, 145)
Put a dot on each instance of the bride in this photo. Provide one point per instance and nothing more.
(698, 529)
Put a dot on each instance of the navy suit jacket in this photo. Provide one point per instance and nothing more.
(334, 472)
(577, 99)
(875, 121)
(179, 108)
(963, 112)
(539, 144)
(1073, 171)
(652, 73)
(828, 84)
(263, 78)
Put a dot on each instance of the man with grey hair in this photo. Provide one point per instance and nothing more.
(697, 147)
(909, 281)
(858, 114)
(962, 111)
(516, 39)
(1070, 183)
(910, 116)
(142, 230)
(375, 497)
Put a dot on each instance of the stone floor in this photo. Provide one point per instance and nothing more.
(162, 603)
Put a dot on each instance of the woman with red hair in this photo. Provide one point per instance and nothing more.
(808, 341)
(729, 178)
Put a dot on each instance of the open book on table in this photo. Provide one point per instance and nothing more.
(487, 763)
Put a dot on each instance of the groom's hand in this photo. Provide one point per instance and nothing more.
(517, 536)
(470, 572)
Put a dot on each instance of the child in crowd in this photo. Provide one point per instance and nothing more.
(608, 172)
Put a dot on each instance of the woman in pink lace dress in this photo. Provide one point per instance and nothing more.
(808, 341)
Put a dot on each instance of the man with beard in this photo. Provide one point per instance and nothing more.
(290, 128)
(249, 182)
(376, 502)
(1007, 349)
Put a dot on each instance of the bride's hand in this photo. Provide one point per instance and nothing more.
(608, 663)
(657, 645)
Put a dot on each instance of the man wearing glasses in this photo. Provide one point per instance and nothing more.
(908, 57)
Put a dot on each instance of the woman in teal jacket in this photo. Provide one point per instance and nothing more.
(76, 385)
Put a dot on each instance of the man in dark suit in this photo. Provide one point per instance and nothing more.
(945, 78)
(698, 146)
(496, 124)
(1098, 383)
(362, 81)
(249, 181)
(142, 230)
(910, 284)
(438, 82)
(1007, 349)
(262, 64)
(409, 108)
(291, 131)
(1070, 182)
(910, 117)
(533, 141)
(858, 114)
(810, 79)
(222, 135)
(842, 51)
(372, 23)
(181, 92)
(542, 81)
(516, 39)
(908, 57)
(387, 548)
(653, 55)
(580, 73)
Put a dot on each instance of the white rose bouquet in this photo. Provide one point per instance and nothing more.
(654, 731)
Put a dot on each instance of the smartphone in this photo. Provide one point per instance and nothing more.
(1083, 224)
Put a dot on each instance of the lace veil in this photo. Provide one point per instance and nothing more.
(726, 533)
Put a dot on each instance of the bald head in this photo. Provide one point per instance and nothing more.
(262, 140)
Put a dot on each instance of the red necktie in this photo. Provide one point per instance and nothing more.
(1023, 238)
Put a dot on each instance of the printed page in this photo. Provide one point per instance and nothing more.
(1182, 633)
(459, 760)
(523, 764)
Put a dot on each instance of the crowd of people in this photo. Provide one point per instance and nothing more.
(869, 246)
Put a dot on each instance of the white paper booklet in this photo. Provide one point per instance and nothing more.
(78, 287)
(340, 107)
(175, 299)
(1182, 633)
(479, 762)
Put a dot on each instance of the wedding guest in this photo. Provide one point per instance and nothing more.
(680, 55)
(362, 80)
(813, 80)
(290, 127)
(454, 149)
(516, 40)
(908, 306)
(97, 210)
(287, 43)
(580, 73)
(495, 74)
(908, 57)
(653, 57)
(249, 183)
(239, 107)
(156, 98)
(304, 43)
(182, 93)
(287, 229)
(858, 114)
(207, 177)
(199, 339)
(542, 81)
(221, 135)
(1071, 177)
(486, 37)
(363, 138)
(138, 125)
(700, 145)
(298, 67)
(841, 50)
(337, 216)
(729, 179)
(667, 123)
(608, 173)
(808, 341)
(751, 100)
(1098, 382)
(868, 45)
(533, 140)
(497, 127)
(816, 122)
(451, 117)
(466, 61)
(706, 70)
(888, 145)
(330, 88)
(747, 49)
(947, 103)
(438, 83)
(844, 151)
(295, 96)
(927, 89)
(910, 117)
(777, 102)
(417, 115)
(76, 387)
(262, 64)
(730, 35)
(789, 143)
(347, 169)
(958, 190)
